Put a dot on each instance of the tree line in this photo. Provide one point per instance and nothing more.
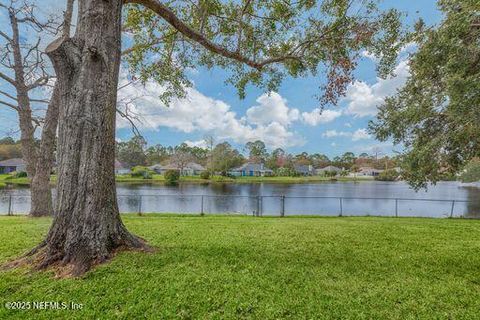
(223, 157)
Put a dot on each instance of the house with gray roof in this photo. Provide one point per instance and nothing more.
(323, 171)
(190, 169)
(12, 165)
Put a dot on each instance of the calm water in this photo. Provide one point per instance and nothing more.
(312, 198)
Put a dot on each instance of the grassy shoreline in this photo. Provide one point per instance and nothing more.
(228, 267)
(156, 178)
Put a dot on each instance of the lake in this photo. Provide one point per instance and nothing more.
(326, 198)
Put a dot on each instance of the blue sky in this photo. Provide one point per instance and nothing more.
(288, 118)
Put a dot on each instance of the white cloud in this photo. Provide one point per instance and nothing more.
(197, 143)
(318, 116)
(363, 99)
(360, 134)
(335, 133)
(272, 108)
(199, 113)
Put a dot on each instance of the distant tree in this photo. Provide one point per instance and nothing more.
(181, 157)
(302, 159)
(156, 154)
(276, 159)
(225, 158)
(436, 115)
(319, 160)
(257, 152)
(7, 141)
(471, 172)
(364, 155)
(348, 159)
(132, 152)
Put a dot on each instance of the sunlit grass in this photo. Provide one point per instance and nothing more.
(219, 267)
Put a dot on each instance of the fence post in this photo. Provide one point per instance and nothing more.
(10, 205)
(282, 212)
(396, 208)
(341, 206)
(202, 212)
(453, 206)
(258, 206)
(260, 209)
(139, 205)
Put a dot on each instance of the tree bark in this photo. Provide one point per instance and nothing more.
(41, 193)
(87, 228)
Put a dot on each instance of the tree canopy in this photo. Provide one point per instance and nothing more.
(436, 115)
(260, 42)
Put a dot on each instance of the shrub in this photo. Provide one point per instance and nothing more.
(141, 172)
(205, 175)
(286, 172)
(172, 176)
(387, 175)
(21, 174)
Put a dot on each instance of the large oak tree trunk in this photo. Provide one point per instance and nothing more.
(41, 193)
(87, 228)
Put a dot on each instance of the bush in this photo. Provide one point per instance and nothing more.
(21, 174)
(172, 176)
(286, 172)
(205, 175)
(141, 172)
(387, 175)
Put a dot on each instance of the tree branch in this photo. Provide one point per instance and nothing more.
(14, 107)
(8, 79)
(8, 95)
(170, 17)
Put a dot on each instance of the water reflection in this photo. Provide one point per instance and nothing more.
(302, 199)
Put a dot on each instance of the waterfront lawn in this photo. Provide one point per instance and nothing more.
(224, 267)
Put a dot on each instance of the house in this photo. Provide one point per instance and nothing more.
(120, 168)
(323, 171)
(368, 171)
(251, 169)
(12, 165)
(304, 170)
(190, 169)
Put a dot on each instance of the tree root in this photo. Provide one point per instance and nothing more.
(73, 263)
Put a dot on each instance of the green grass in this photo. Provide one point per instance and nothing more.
(263, 268)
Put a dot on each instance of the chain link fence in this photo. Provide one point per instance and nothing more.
(276, 205)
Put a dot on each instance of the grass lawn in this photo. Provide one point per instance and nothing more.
(220, 267)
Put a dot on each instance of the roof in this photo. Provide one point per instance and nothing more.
(194, 166)
(370, 169)
(15, 162)
(190, 165)
(250, 166)
(330, 168)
